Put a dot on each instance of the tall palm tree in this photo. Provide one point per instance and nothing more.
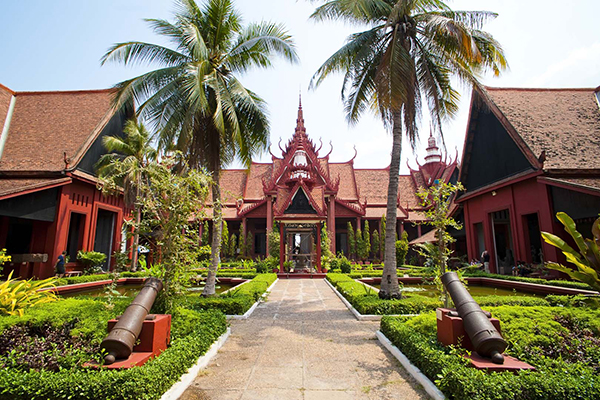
(122, 168)
(195, 100)
(405, 59)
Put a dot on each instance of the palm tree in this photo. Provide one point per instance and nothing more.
(122, 168)
(195, 100)
(404, 59)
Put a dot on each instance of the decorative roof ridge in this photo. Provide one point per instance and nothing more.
(85, 91)
(252, 206)
(354, 207)
(7, 89)
(524, 89)
(300, 185)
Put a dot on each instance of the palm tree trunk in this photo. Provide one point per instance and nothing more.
(389, 281)
(215, 247)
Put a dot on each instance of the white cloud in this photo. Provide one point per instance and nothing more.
(578, 68)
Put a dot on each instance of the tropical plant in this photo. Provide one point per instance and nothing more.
(233, 247)
(360, 245)
(224, 240)
(242, 243)
(273, 237)
(367, 240)
(3, 257)
(121, 169)
(195, 99)
(586, 258)
(91, 261)
(436, 200)
(18, 295)
(402, 249)
(205, 233)
(250, 243)
(382, 235)
(405, 60)
(351, 241)
(375, 245)
(172, 196)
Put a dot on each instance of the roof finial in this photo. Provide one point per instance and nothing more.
(300, 120)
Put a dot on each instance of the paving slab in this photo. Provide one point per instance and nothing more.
(303, 344)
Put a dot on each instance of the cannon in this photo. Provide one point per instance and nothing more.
(121, 339)
(484, 336)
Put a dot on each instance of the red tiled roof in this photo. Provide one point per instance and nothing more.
(12, 187)
(347, 189)
(372, 184)
(232, 183)
(565, 123)
(254, 185)
(45, 125)
(406, 191)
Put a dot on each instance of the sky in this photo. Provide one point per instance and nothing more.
(57, 45)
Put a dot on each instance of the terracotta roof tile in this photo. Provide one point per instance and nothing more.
(46, 124)
(372, 185)
(11, 186)
(254, 185)
(232, 184)
(406, 191)
(347, 189)
(565, 123)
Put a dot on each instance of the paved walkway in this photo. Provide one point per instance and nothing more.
(303, 343)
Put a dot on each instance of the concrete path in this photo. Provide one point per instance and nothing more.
(303, 343)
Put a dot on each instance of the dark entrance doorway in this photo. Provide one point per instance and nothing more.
(75, 238)
(105, 230)
(504, 251)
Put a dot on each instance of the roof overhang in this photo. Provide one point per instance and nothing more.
(22, 187)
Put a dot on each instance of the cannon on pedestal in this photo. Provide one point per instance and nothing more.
(121, 339)
(486, 340)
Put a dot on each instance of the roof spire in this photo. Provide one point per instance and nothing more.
(300, 120)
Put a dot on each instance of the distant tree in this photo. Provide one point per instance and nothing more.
(242, 242)
(361, 253)
(249, 243)
(402, 249)
(205, 234)
(224, 239)
(375, 245)
(367, 239)
(232, 250)
(351, 241)
(382, 235)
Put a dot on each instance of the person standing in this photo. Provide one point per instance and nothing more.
(60, 265)
(485, 257)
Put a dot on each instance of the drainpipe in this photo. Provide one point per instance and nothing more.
(4, 134)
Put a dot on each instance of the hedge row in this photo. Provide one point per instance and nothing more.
(238, 300)
(231, 273)
(554, 282)
(556, 376)
(192, 334)
(72, 280)
(366, 301)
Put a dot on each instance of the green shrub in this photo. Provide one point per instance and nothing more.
(91, 261)
(555, 378)
(149, 381)
(555, 282)
(18, 295)
(402, 249)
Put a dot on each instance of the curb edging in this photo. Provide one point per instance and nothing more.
(415, 372)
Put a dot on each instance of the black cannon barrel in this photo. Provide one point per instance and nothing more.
(121, 339)
(486, 340)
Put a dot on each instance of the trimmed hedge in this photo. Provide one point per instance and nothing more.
(554, 282)
(530, 331)
(366, 301)
(73, 280)
(193, 333)
(238, 300)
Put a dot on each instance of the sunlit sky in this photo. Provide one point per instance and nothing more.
(56, 45)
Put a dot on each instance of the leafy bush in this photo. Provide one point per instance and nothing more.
(541, 344)
(198, 331)
(17, 295)
(402, 249)
(91, 261)
(345, 265)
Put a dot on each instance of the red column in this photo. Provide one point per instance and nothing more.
(269, 220)
(331, 223)
(319, 246)
(281, 247)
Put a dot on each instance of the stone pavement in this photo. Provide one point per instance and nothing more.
(303, 343)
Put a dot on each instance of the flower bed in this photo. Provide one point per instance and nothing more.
(562, 343)
(193, 332)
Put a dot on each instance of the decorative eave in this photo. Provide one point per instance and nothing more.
(250, 207)
(300, 185)
(357, 208)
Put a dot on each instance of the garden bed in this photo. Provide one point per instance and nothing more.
(560, 342)
(367, 304)
(62, 377)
